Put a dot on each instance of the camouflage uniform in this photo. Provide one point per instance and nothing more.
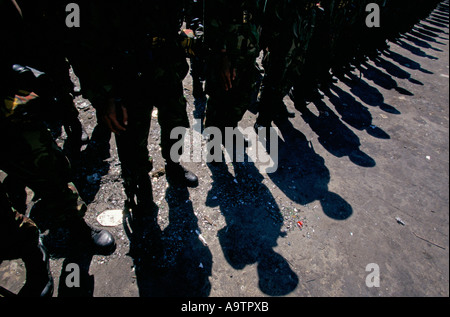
(232, 26)
(29, 153)
(344, 15)
(304, 27)
(288, 59)
(43, 36)
(315, 64)
(285, 36)
(131, 52)
(45, 33)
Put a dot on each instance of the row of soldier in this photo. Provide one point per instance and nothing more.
(308, 45)
(129, 58)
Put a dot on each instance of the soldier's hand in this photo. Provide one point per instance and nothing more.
(111, 117)
(227, 73)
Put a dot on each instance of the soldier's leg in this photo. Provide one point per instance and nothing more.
(305, 89)
(271, 106)
(271, 103)
(172, 115)
(19, 238)
(135, 160)
(226, 109)
(34, 159)
(167, 88)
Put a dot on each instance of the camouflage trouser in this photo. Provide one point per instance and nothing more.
(31, 157)
(17, 232)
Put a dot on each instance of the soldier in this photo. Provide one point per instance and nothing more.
(313, 69)
(343, 16)
(29, 153)
(289, 63)
(45, 34)
(277, 40)
(137, 65)
(232, 36)
(194, 20)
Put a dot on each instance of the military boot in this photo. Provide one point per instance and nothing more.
(88, 239)
(179, 175)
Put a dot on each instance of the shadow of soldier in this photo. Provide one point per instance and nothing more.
(354, 113)
(253, 225)
(302, 174)
(333, 135)
(173, 262)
